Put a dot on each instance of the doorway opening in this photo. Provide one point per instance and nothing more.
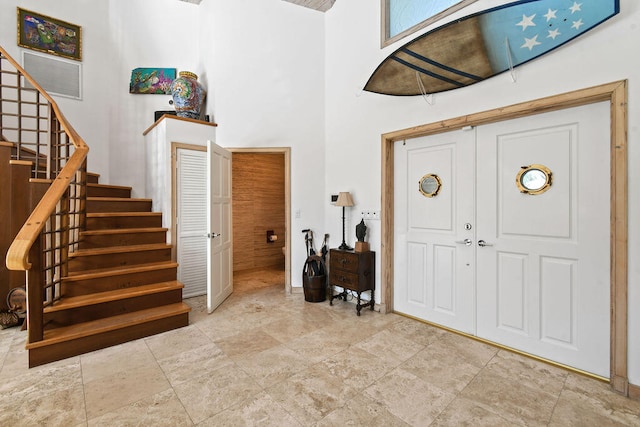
(261, 219)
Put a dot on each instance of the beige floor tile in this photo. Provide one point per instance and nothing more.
(311, 394)
(160, 410)
(472, 351)
(220, 325)
(361, 411)
(272, 366)
(358, 368)
(247, 342)
(285, 330)
(463, 412)
(109, 361)
(587, 402)
(510, 399)
(439, 366)
(528, 372)
(409, 398)
(207, 395)
(200, 361)
(51, 395)
(318, 345)
(418, 332)
(106, 394)
(16, 362)
(259, 410)
(391, 346)
(176, 341)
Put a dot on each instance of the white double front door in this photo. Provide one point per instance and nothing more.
(527, 271)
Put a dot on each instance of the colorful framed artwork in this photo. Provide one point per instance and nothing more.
(49, 35)
(152, 81)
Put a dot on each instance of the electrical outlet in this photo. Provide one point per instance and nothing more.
(371, 215)
(298, 213)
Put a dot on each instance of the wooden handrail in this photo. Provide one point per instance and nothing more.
(18, 253)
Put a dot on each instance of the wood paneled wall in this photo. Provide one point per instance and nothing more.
(258, 206)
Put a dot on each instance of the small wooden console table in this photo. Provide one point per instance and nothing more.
(352, 271)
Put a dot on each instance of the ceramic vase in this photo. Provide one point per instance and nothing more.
(188, 95)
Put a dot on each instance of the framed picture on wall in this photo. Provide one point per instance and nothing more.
(401, 18)
(46, 34)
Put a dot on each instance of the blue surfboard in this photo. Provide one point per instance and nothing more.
(485, 44)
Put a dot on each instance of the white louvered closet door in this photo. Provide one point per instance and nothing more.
(191, 224)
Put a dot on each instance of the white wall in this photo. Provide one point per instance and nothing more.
(88, 115)
(265, 66)
(355, 120)
(162, 33)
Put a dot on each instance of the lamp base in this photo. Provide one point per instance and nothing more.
(345, 247)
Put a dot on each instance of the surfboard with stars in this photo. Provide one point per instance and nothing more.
(485, 44)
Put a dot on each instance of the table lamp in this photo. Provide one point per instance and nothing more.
(344, 200)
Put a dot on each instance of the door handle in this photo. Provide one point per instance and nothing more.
(482, 243)
(212, 235)
(466, 242)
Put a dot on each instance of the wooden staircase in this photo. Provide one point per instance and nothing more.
(94, 261)
(121, 284)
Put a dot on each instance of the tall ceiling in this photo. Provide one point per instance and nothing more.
(321, 5)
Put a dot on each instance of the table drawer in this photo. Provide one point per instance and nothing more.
(345, 279)
(344, 261)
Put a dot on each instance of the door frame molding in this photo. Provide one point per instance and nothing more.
(616, 94)
(287, 201)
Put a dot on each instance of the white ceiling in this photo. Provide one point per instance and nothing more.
(321, 5)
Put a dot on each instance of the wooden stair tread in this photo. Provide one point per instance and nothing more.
(116, 199)
(118, 249)
(115, 214)
(116, 271)
(95, 327)
(118, 187)
(101, 297)
(123, 231)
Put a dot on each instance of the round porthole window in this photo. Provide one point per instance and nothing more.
(534, 179)
(430, 185)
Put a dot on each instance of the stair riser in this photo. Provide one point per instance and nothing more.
(112, 308)
(91, 262)
(108, 192)
(40, 356)
(128, 239)
(92, 178)
(130, 205)
(73, 288)
(105, 223)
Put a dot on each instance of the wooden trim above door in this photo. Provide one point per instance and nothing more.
(616, 94)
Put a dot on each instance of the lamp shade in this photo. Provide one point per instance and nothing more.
(344, 199)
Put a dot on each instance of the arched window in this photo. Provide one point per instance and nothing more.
(403, 17)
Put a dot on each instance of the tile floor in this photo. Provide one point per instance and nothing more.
(265, 358)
